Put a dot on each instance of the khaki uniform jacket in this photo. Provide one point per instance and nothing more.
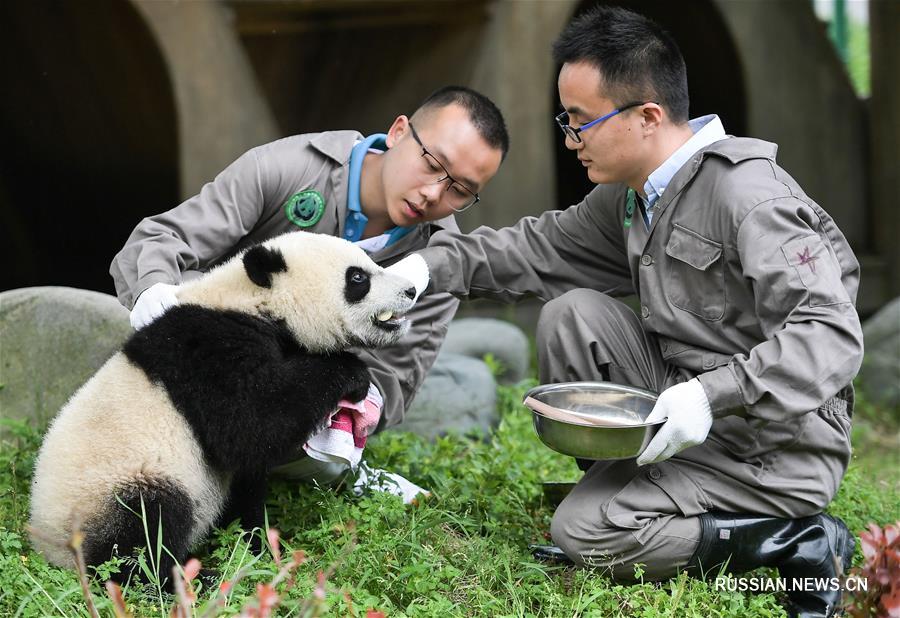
(244, 205)
(745, 281)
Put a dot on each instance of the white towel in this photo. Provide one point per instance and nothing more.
(390, 482)
(344, 439)
(350, 425)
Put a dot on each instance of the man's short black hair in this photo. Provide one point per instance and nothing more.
(485, 116)
(636, 58)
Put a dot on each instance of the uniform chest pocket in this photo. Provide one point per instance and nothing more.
(695, 277)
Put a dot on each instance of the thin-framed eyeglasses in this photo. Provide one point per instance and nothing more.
(458, 196)
(573, 132)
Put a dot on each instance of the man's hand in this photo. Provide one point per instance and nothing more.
(414, 269)
(152, 303)
(687, 408)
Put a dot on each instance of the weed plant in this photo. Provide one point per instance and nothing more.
(461, 552)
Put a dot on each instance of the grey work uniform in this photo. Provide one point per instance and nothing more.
(743, 281)
(247, 203)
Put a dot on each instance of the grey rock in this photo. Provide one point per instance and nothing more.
(459, 395)
(880, 373)
(477, 337)
(53, 340)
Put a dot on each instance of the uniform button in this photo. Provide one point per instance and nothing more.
(708, 362)
(646, 260)
(654, 473)
(645, 311)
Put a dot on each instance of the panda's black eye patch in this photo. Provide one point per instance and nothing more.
(261, 263)
(357, 284)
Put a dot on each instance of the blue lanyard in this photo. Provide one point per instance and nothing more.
(355, 223)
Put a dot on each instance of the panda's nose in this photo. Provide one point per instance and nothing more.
(410, 293)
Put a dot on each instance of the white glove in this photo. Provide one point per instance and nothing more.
(690, 418)
(152, 303)
(412, 268)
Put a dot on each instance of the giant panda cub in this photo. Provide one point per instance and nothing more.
(187, 419)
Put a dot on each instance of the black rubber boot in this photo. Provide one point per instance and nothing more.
(818, 547)
(550, 553)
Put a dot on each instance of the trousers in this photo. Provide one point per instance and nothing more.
(619, 514)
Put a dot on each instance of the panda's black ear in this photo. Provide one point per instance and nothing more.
(261, 263)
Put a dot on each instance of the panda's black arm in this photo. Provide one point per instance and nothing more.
(249, 391)
(274, 406)
(287, 402)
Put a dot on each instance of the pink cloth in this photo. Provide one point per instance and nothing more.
(351, 424)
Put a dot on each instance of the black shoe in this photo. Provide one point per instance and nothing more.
(818, 547)
(824, 552)
(549, 553)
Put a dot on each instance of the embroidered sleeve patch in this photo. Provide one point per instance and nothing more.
(817, 269)
(805, 259)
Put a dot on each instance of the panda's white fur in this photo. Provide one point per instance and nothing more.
(317, 310)
(129, 433)
(94, 445)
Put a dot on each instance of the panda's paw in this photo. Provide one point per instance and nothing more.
(358, 392)
(356, 385)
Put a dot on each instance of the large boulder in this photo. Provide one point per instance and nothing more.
(458, 396)
(478, 337)
(54, 339)
(879, 377)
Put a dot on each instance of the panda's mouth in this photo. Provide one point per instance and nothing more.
(389, 320)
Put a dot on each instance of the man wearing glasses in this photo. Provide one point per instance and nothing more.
(386, 192)
(746, 323)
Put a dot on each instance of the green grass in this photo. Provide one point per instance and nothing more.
(462, 552)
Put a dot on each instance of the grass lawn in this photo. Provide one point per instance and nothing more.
(462, 552)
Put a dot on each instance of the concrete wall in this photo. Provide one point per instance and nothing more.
(221, 111)
(884, 223)
(243, 73)
(357, 65)
(325, 65)
(517, 72)
(806, 105)
(87, 119)
(800, 96)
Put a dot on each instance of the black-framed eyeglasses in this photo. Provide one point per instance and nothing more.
(458, 196)
(572, 132)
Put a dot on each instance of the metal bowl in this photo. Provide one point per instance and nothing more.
(624, 406)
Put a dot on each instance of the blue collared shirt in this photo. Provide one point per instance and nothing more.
(707, 130)
(355, 223)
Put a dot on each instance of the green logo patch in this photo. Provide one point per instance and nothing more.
(304, 209)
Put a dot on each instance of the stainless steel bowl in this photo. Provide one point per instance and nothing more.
(620, 405)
